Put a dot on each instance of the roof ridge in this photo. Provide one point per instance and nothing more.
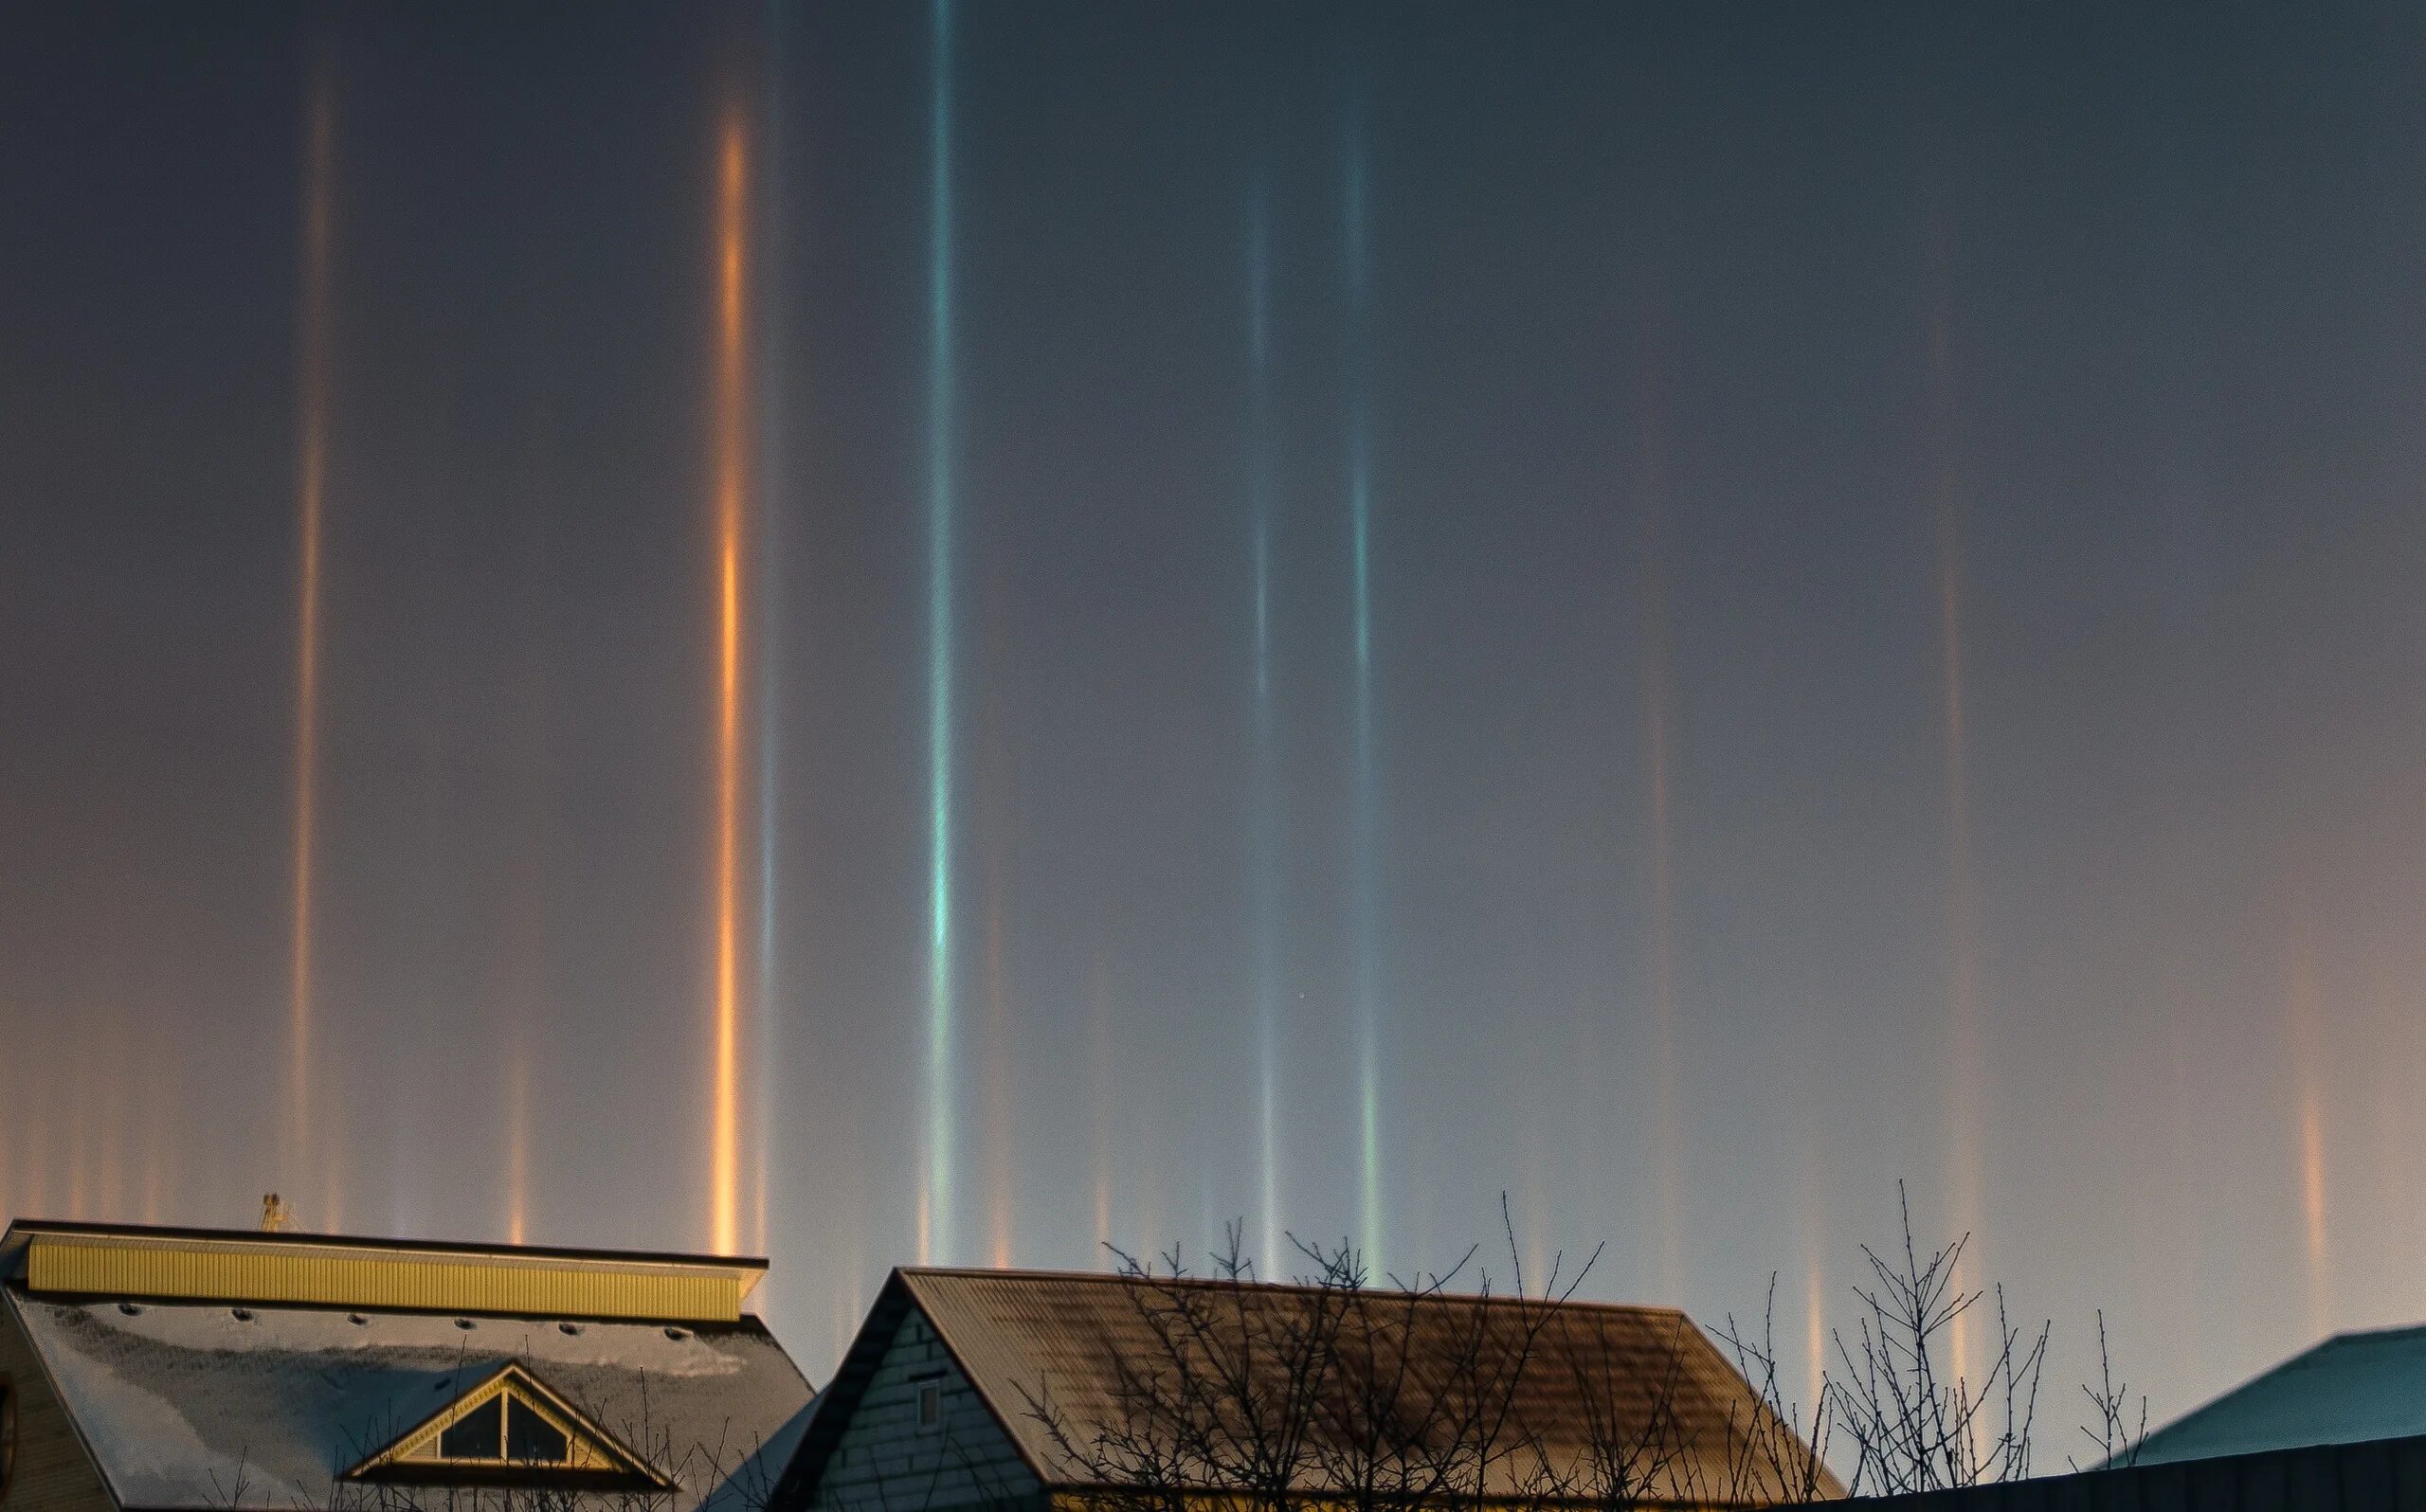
(1302, 1288)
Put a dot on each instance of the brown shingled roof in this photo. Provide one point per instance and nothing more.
(1596, 1374)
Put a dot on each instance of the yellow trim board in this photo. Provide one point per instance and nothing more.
(367, 1275)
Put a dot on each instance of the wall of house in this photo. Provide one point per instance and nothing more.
(885, 1462)
(53, 1473)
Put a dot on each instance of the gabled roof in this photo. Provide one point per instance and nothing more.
(206, 1407)
(1021, 1337)
(2351, 1389)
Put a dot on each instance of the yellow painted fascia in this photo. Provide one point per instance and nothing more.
(368, 1275)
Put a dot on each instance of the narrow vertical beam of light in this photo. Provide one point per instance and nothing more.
(732, 486)
(994, 824)
(1100, 1101)
(1362, 838)
(1667, 1139)
(1813, 1223)
(2304, 1026)
(772, 391)
(998, 1089)
(518, 1142)
(1815, 1326)
(160, 1097)
(311, 482)
(1967, 1078)
(14, 1114)
(936, 1238)
(1263, 851)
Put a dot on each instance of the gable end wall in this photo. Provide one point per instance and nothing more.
(885, 1462)
(54, 1474)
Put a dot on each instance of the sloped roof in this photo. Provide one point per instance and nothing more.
(181, 1404)
(2351, 1389)
(1599, 1372)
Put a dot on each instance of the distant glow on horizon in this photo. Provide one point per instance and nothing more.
(936, 1238)
(1359, 509)
(308, 1147)
(731, 465)
(1264, 883)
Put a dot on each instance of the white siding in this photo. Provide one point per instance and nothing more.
(885, 1462)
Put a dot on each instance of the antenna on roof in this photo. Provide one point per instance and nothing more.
(276, 1216)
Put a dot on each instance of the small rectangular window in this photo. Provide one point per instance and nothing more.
(930, 1404)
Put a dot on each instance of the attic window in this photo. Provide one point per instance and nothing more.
(511, 1430)
(930, 1405)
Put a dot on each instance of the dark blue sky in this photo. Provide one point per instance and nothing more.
(1715, 362)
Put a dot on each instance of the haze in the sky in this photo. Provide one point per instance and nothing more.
(951, 631)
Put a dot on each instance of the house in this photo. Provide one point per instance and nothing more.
(1039, 1392)
(179, 1369)
(2337, 1427)
(2354, 1388)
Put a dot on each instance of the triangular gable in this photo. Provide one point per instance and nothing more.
(510, 1428)
(956, 1461)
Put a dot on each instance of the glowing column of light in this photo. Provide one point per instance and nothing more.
(935, 1207)
(2303, 1026)
(311, 482)
(111, 1111)
(1099, 1103)
(1966, 1088)
(13, 1116)
(1360, 513)
(1666, 1138)
(518, 1142)
(1264, 860)
(1815, 1324)
(731, 485)
(994, 803)
(160, 1117)
(998, 1091)
(771, 476)
(1814, 1225)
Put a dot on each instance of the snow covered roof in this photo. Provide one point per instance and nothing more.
(2351, 1389)
(204, 1405)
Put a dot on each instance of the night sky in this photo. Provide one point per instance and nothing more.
(910, 629)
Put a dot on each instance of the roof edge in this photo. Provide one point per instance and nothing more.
(14, 1240)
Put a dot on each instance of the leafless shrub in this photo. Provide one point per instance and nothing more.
(2118, 1434)
(1915, 1422)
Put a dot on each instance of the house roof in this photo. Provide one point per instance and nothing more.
(195, 1405)
(1025, 1338)
(2351, 1389)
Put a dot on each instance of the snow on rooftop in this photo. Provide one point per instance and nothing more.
(196, 1405)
